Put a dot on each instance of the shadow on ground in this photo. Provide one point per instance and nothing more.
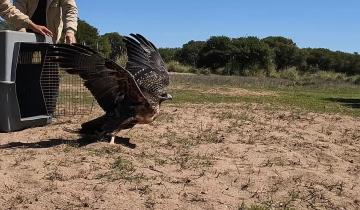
(348, 102)
(56, 142)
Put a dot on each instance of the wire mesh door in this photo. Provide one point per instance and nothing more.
(44, 89)
(49, 81)
(74, 98)
(65, 94)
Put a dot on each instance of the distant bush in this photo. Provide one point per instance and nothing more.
(354, 79)
(329, 75)
(322, 76)
(220, 71)
(194, 70)
(235, 68)
(274, 74)
(291, 74)
(204, 71)
(174, 66)
(232, 68)
(254, 73)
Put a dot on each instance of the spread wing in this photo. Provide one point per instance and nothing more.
(108, 82)
(146, 64)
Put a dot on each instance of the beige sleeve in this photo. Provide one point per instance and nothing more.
(70, 14)
(21, 5)
(12, 15)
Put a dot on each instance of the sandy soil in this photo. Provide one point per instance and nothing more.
(193, 157)
(239, 92)
(228, 91)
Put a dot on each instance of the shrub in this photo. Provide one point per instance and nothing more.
(219, 71)
(204, 71)
(291, 74)
(330, 76)
(354, 79)
(174, 66)
(274, 74)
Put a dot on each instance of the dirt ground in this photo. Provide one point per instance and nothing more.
(224, 156)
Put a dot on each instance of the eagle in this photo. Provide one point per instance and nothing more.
(130, 95)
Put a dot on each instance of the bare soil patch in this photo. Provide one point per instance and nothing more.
(239, 92)
(193, 157)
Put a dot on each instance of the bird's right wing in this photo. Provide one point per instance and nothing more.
(108, 82)
(146, 63)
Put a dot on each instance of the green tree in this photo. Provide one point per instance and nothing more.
(249, 53)
(104, 46)
(318, 59)
(87, 34)
(216, 52)
(168, 54)
(117, 45)
(189, 53)
(285, 51)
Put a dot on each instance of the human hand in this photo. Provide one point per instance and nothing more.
(70, 37)
(40, 29)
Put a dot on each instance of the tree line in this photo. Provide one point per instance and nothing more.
(111, 45)
(232, 56)
(246, 55)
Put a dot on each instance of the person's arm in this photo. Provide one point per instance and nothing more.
(70, 18)
(13, 15)
(21, 6)
(17, 18)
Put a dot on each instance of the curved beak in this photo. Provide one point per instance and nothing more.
(168, 97)
(165, 97)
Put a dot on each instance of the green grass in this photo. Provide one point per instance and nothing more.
(343, 98)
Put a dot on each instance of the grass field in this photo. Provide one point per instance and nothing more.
(222, 143)
(325, 97)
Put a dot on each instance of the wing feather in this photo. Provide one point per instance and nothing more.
(106, 80)
(146, 64)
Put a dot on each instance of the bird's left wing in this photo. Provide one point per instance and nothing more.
(108, 82)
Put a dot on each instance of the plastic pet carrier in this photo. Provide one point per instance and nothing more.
(29, 85)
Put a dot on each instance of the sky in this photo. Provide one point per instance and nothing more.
(332, 24)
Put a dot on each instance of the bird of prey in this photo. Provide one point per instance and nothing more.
(130, 95)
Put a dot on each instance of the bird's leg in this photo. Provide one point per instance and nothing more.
(112, 141)
(113, 136)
